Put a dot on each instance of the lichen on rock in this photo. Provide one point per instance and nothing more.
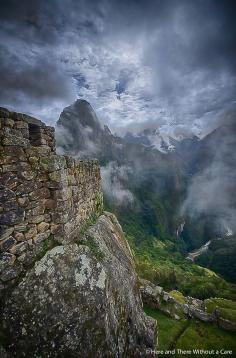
(72, 304)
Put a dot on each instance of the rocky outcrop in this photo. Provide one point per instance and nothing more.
(157, 298)
(68, 281)
(80, 299)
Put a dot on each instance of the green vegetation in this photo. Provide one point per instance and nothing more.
(93, 246)
(90, 241)
(178, 296)
(226, 308)
(191, 334)
(45, 246)
(87, 223)
(168, 329)
(173, 272)
(160, 257)
(206, 336)
(221, 258)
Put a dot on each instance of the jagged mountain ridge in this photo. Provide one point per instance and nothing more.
(152, 138)
(136, 163)
(80, 133)
(165, 178)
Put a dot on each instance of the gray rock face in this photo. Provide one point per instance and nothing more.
(80, 299)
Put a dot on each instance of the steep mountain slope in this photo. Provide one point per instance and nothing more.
(80, 134)
(155, 194)
(127, 167)
(209, 208)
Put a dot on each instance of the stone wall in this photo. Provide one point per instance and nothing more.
(157, 298)
(45, 198)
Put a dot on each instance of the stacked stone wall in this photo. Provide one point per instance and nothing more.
(157, 298)
(45, 198)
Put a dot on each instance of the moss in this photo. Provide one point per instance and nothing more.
(228, 314)
(93, 246)
(220, 302)
(178, 296)
(45, 246)
(190, 334)
(226, 308)
(87, 223)
(206, 336)
(168, 328)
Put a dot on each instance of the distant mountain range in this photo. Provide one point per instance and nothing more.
(160, 183)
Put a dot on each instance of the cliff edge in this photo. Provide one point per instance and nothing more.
(69, 286)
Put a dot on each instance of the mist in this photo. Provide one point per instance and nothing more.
(212, 190)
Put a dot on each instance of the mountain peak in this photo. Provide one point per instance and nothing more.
(81, 112)
(82, 102)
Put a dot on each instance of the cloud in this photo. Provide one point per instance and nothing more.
(114, 184)
(167, 62)
(211, 190)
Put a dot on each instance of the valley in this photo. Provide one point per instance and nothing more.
(152, 192)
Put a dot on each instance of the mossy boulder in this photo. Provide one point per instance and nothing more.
(73, 303)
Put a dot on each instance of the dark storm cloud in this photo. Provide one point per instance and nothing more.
(135, 61)
(36, 77)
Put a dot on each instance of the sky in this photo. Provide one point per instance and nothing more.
(167, 64)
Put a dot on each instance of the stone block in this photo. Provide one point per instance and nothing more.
(5, 232)
(31, 233)
(6, 244)
(21, 125)
(25, 188)
(19, 236)
(42, 236)
(201, 315)
(11, 205)
(43, 226)
(21, 227)
(24, 201)
(47, 218)
(6, 195)
(64, 194)
(11, 273)
(37, 152)
(42, 193)
(12, 217)
(50, 204)
(59, 176)
(6, 261)
(29, 174)
(36, 219)
(19, 248)
(52, 163)
(15, 140)
(15, 152)
(165, 296)
(14, 167)
(60, 218)
(8, 122)
(63, 205)
(38, 210)
(10, 181)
